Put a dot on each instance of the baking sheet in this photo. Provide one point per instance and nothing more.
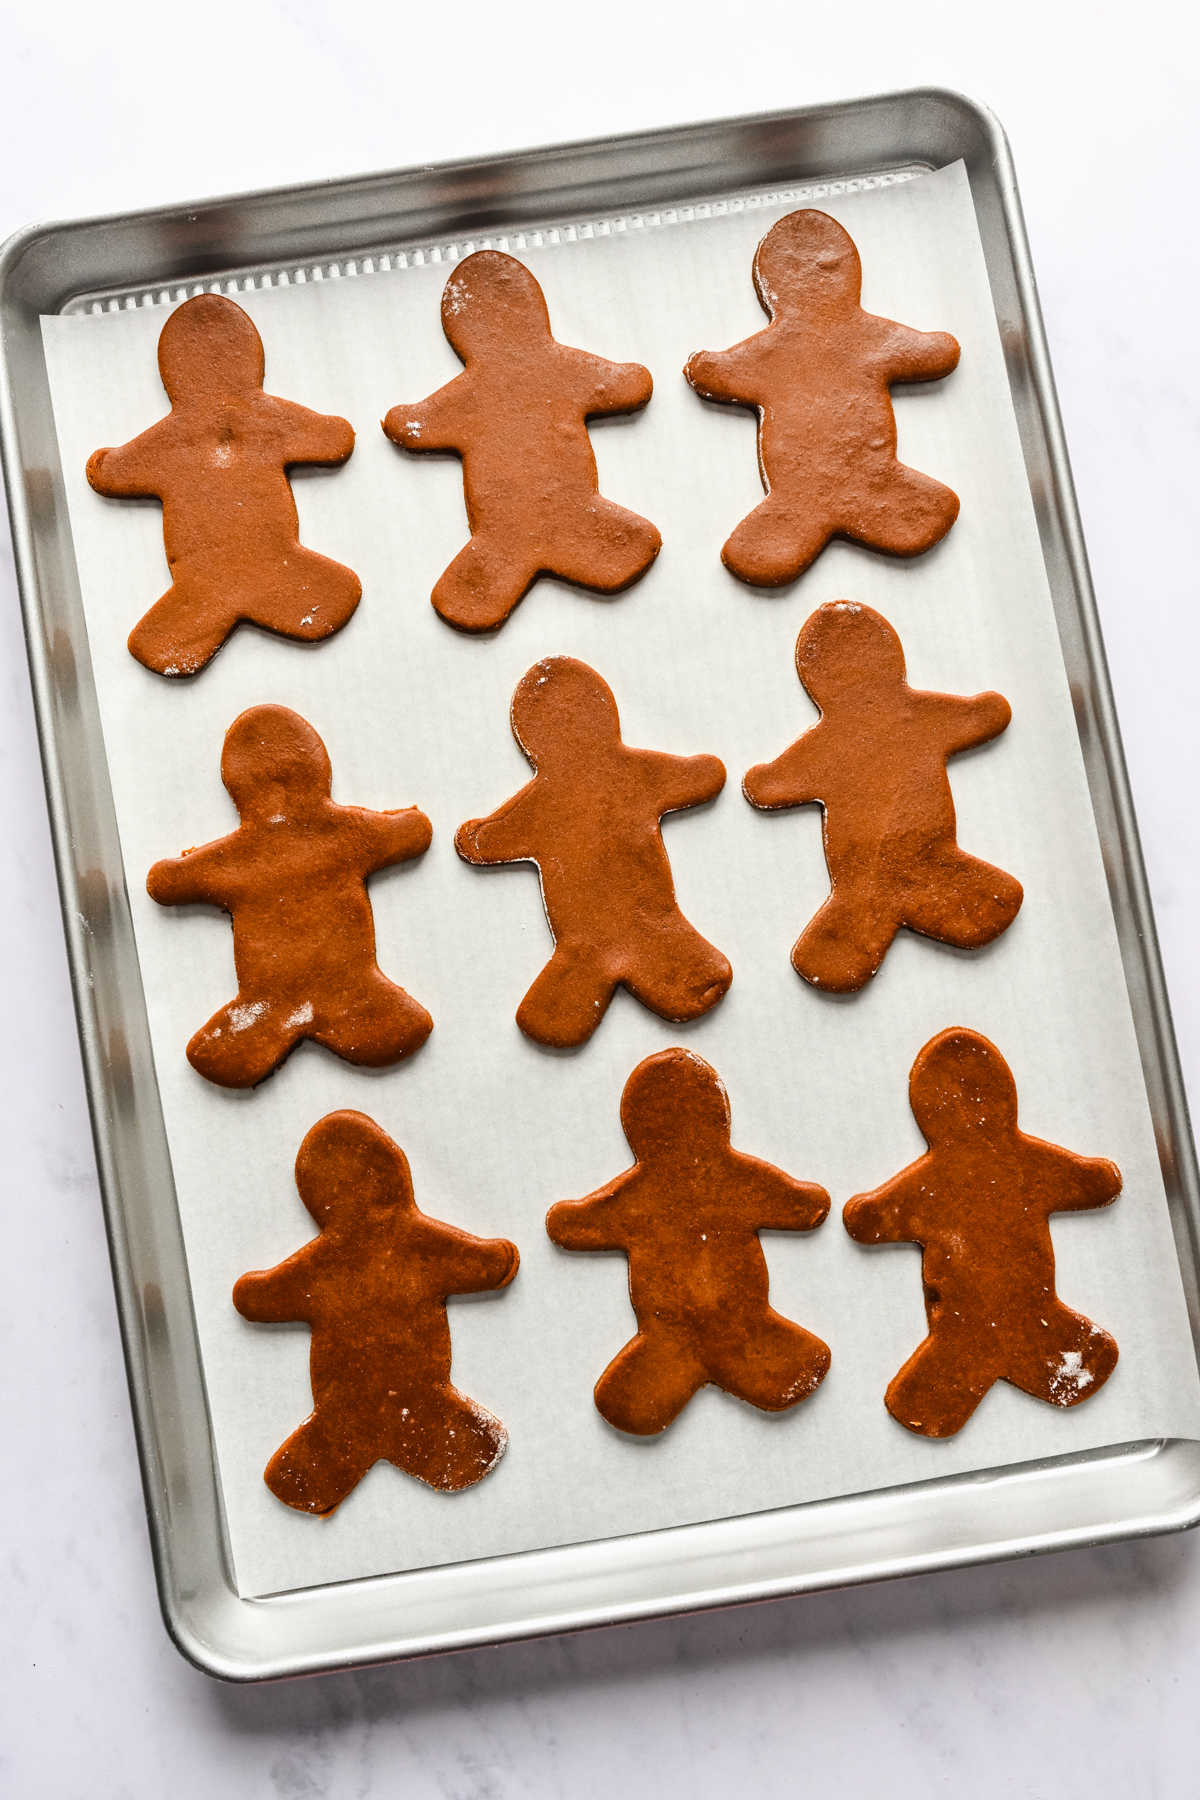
(497, 1129)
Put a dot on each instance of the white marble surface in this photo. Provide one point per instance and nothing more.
(1072, 1676)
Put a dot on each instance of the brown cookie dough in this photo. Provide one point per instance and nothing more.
(978, 1203)
(876, 763)
(373, 1287)
(687, 1215)
(818, 376)
(589, 819)
(218, 463)
(293, 877)
(517, 416)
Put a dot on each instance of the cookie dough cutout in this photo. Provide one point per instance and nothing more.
(218, 462)
(373, 1286)
(590, 819)
(876, 763)
(517, 416)
(687, 1215)
(819, 377)
(293, 877)
(978, 1203)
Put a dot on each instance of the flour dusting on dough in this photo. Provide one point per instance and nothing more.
(242, 1017)
(1070, 1378)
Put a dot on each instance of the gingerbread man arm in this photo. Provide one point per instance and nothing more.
(908, 355)
(466, 1264)
(188, 879)
(396, 836)
(796, 778)
(134, 470)
(611, 387)
(432, 424)
(1077, 1183)
(504, 836)
(773, 1201)
(313, 437)
(282, 1294)
(728, 375)
(594, 1223)
(967, 721)
(890, 1214)
(682, 781)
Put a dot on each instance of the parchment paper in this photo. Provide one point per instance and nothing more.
(497, 1129)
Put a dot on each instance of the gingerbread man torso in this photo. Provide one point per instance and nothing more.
(512, 413)
(963, 1278)
(285, 875)
(614, 831)
(379, 1309)
(692, 1261)
(884, 787)
(222, 478)
(830, 421)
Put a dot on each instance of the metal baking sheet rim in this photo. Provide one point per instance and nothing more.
(1133, 1490)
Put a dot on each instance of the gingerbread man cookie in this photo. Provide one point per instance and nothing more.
(876, 763)
(819, 377)
(293, 877)
(517, 416)
(687, 1215)
(218, 462)
(590, 819)
(978, 1203)
(373, 1286)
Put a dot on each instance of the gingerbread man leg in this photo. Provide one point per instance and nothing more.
(244, 1041)
(306, 596)
(961, 900)
(184, 630)
(606, 548)
(843, 944)
(777, 541)
(485, 581)
(903, 512)
(320, 1463)
(446, 1440)
(777, 1364)
(677, 973)
(1069, 1361)
(379, 1024)
(568, 999)
(649, 1382)
(941, 1384)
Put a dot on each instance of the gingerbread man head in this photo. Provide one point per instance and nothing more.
(961, 1088)
(674, 1097)
(491, 302)
(210, 349)
(348, 1171)
(808, 263)
(274, 765)
(561, 707)
(847, 650)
